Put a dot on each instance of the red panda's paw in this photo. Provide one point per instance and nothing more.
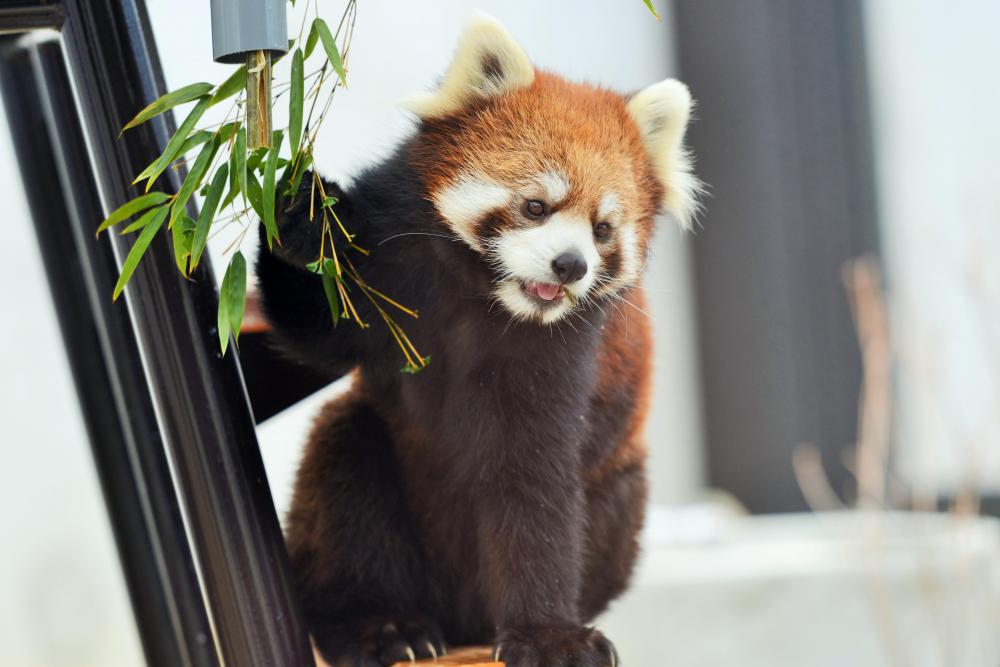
(401, 641)
(300, 221)
(382, 641)
(554, 646)
(291, 204)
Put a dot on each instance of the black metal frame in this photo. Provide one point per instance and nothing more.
(201, 549)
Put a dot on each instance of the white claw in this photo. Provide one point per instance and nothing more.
(430, 647)
(496, 653)
(410, 654)
(614, 660)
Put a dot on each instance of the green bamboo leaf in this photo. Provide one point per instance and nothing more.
(236, 82)
(256, 159)
(193, 180)
(141, 243)
(234, 190)
(330, 46)
(172, 151)
(238, 161)
(195, 140)
(312, 39)
(144, 220)
(145, 173)
(295, 103)
(169, 101)
(237, 293)
(649, 6)
(175, 147)
(226, 132)
(131, 207)
(207, 215)
(234, 186)
(237, 165)
(222, 319)
(182, 234)
(267, 199)
(232, 300)
(255, 195)
(332, 298)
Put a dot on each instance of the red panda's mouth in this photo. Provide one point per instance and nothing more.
(545, 292)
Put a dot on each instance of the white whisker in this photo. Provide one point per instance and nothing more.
(442, 236)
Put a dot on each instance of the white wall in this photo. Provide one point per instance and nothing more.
(62, 597)
(936, 106)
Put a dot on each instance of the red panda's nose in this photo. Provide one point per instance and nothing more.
(569, 267)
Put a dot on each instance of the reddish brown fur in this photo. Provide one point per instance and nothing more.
(625, 361)
(581, 129)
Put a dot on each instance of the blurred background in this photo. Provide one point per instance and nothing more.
(828, 340)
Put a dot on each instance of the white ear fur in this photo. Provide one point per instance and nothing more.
(661, 111)
(487, 62)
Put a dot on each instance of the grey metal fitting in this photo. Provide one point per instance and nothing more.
(242, 26)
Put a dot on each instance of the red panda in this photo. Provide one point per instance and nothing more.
(496, 496)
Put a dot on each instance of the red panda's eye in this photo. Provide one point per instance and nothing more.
(602, 231)
(534, 208)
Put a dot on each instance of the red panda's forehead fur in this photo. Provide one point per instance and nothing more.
(581, 131)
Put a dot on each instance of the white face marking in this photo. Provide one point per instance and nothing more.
(609, 208)
(510, 295)
(520, 305)
(631, 262)
(527, 254)
(556, 186)
(466, 201)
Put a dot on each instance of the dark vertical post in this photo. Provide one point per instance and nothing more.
(111, 386)
(201, 402)
(782, 138)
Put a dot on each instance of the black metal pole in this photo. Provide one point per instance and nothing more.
(201, 401)
(110, 382)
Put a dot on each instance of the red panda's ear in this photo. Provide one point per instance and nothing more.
(661, 111)
(487, 62)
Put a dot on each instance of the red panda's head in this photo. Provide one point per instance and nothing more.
(556, 184)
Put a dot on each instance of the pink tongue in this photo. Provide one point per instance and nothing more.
(547, 291)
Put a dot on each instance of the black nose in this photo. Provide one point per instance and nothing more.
(569, 267)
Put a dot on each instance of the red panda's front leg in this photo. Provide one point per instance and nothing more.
(293, 297)
(530, 541)
(531, 527)
(531, 521)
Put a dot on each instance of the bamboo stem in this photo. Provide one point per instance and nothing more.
(259, 99)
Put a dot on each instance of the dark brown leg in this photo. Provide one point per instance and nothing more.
(353, 548)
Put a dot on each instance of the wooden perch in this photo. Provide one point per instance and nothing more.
(468, 656)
